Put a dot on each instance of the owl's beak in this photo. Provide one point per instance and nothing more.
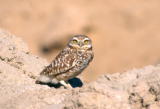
(80, 44)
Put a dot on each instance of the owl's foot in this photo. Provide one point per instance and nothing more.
(66, 85)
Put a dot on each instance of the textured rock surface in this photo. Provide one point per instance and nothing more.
(135, 89)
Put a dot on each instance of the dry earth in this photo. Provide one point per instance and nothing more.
(134, 89)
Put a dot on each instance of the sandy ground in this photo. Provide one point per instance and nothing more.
(125, 33)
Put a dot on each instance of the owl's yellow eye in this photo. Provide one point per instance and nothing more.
(74, 41)
(86, 41)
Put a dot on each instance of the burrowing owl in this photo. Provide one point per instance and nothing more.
(70, 62)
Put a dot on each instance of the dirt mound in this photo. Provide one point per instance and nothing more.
(135, 89)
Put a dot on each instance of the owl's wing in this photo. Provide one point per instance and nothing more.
(62, 63)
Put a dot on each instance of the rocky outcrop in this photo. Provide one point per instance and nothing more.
(134, 89)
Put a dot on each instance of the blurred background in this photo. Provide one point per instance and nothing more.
(125, 33)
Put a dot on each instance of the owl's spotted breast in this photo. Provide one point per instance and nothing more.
(81, 62)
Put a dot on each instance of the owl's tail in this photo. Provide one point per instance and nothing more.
(46, 79)
(43, 79)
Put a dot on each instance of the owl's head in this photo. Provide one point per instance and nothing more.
(80, 42)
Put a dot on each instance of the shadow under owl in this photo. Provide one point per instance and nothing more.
(74, 82)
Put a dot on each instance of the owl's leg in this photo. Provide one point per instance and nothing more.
(66, 85)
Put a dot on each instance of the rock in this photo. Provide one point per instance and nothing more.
(134, 89)
(15, 52)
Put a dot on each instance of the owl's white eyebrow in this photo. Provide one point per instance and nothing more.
(74, 38)
(86, 39)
